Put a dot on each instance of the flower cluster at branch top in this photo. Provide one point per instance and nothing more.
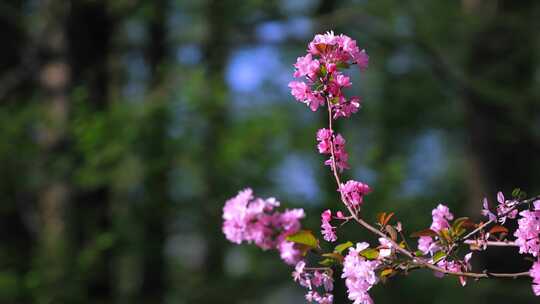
(359, 274)
(327, 54)
(313, 280)
(326, 138)
(254, 220)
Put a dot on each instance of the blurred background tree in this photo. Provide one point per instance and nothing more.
(126, 124)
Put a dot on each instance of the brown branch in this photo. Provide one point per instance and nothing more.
(419, 261)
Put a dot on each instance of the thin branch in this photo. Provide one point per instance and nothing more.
(420, 261)
(492, 243)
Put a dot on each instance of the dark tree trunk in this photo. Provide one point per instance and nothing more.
(157, 203)
(90, 27)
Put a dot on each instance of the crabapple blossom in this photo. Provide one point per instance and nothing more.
(527, 234)
(359, 274)
(254, 220)
(535, 274)
(313, 280)
(440, 217)
(326, 138)
(320, 82)
(328, 231)
(505, 208)
(353, 192)
(327, 54)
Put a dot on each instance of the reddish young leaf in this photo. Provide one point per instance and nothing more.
(498, 229)
(425, 232)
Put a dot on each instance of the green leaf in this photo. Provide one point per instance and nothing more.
(439, 255)
(425, 232)
(304, 237)
(336, 256)
(341, 247)
(444, 235)
(370, 253)
(386, 272)
(327, 262)
(342, 65)
(419, 253)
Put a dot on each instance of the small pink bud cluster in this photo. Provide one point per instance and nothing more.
(326, 138)
(313, 280)
(440, 217)
(254, 220)
(359, 274)
(456, 266)
(328, 53)
(327, 230)
(354, 192)
(505, 209)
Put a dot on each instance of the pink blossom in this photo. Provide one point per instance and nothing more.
(300, 90)
(486, 211)
(314, 279)
(253, 220)
(353, 192)
(327, 54)
(385, 249)
(441, 215)
(362, 59)
(456, 266)
(298, 270)
(505, 208)
(288, 252)
(303, 93)
(535, 274)
(527, 234)
(426, 245)
(306, 66)
(324, 137)
(328, 231)
(359, 274)
(342, 158)
(346, 108)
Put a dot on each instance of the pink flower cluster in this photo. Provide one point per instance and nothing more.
(254, 220)
(326, 138)
(456, 266)
(527, 234)
(313, 279)
(505, 209)
(440, 217)
(359, 274)
(327, 230)
(328, 53)
(354, 192)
